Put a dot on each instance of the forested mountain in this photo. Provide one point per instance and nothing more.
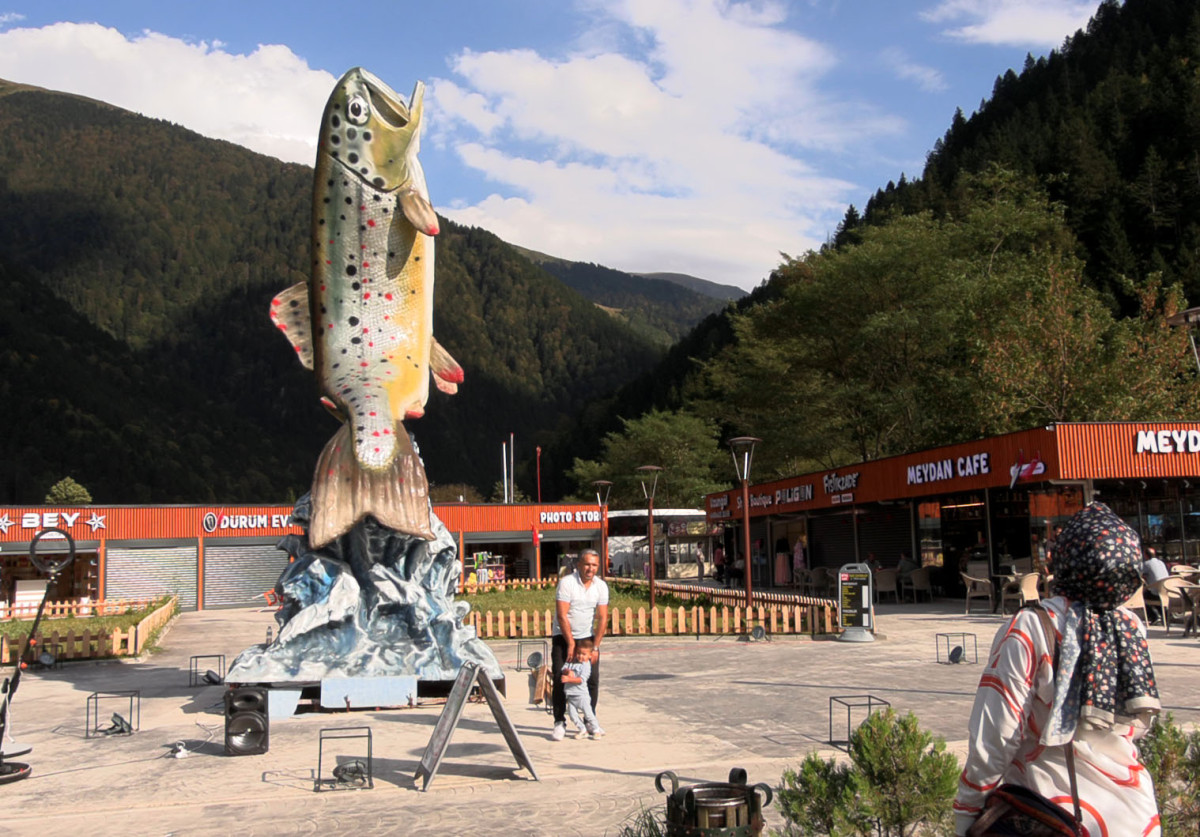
(1110, 126)
(138, 260)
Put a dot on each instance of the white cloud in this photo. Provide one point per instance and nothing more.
(1041, 23)
(10, 17)
(684, 135)
(929, 79)
(685, 153)
(205, 88)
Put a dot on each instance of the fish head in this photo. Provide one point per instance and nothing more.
(373, 133)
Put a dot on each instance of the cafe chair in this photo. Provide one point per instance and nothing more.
(1022, 590)
(1177, 604)
(978, 588)
(821, 580)
(887, 581)
(1138, 602)
(918, 582)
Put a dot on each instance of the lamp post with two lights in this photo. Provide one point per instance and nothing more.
(649, 477)
(603, 487)
(741, 448)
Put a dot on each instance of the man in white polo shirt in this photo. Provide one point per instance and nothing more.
(581, 610)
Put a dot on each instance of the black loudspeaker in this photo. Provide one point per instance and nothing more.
(247, 725)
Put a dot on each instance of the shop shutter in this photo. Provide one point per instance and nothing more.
(831, 540)
(151, 571)
(237, 576)
(886, 531)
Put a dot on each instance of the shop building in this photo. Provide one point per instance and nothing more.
(226, 556)
(999, 499)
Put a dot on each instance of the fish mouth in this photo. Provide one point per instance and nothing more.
(385, 102)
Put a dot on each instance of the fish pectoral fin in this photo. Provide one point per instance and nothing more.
(419, 212)
(289, 312)
(447, 374)
(334, 409)
(344, 492)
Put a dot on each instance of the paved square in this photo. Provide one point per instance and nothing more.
(697, 707)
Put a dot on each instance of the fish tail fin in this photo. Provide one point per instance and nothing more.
(344, 492)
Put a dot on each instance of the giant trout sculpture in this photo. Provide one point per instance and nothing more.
(364, 321)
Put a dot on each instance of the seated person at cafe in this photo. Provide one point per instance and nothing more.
(906, 567)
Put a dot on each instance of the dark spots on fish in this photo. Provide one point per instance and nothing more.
(326, 201)
(363, 171)
(385, 210)
(343, 217)
(391, 254)
(329, 183)
(351, 133)
(378, 184)
(334, 154)
(335, 139)
(376, 195)
(344, 351)
(362, 227)
(352, 158)
(336, 365)
(366, 136)
(351, 270)
(416, 258)
(413, 292)
(354, 287)
(295, 303)
(323, 311)
(321, 222)
(349, 201)
(336, 121)
(353, 321)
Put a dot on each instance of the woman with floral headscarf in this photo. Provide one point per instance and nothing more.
(1098, 700)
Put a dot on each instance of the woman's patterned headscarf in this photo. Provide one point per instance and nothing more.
(1104, 671)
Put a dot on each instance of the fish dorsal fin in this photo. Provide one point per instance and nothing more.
(447, 374)
(289, 312)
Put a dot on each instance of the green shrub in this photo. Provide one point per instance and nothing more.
(1172, 758)
(900, 782)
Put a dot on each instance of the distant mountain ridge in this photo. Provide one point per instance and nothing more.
(662, 307)
(700, 286)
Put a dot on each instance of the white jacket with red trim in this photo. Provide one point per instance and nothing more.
(1012, 707)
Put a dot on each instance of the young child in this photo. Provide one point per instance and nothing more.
(576, 672)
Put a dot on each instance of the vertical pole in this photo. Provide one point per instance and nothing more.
(650, 536)
(604, 540)
(746, 543)
(539, 472)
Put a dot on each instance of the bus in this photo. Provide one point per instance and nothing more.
(683, 543)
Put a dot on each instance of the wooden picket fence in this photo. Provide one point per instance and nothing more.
(724, 613)
(808, 619)
(73, 607)
(87, 645)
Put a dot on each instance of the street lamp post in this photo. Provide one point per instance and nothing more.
(741, 448)
(649, 475)
(603, 487)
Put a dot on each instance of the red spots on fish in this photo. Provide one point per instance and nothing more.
(372, 414)
(275, 303)
(330, 325)
(367, 295)
(364, 364)
(370, 222)
(297, 349)
(281, 326)
(366, 264)
(362, 208)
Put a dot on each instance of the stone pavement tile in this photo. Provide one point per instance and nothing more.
(696, 707)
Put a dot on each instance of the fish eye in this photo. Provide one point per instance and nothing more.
(357, 110)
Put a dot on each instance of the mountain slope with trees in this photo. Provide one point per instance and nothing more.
(139, 359)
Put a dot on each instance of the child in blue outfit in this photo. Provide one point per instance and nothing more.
(579, 703)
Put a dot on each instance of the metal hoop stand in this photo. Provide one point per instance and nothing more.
(13, 771)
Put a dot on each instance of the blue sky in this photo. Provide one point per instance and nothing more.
(697, 136)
